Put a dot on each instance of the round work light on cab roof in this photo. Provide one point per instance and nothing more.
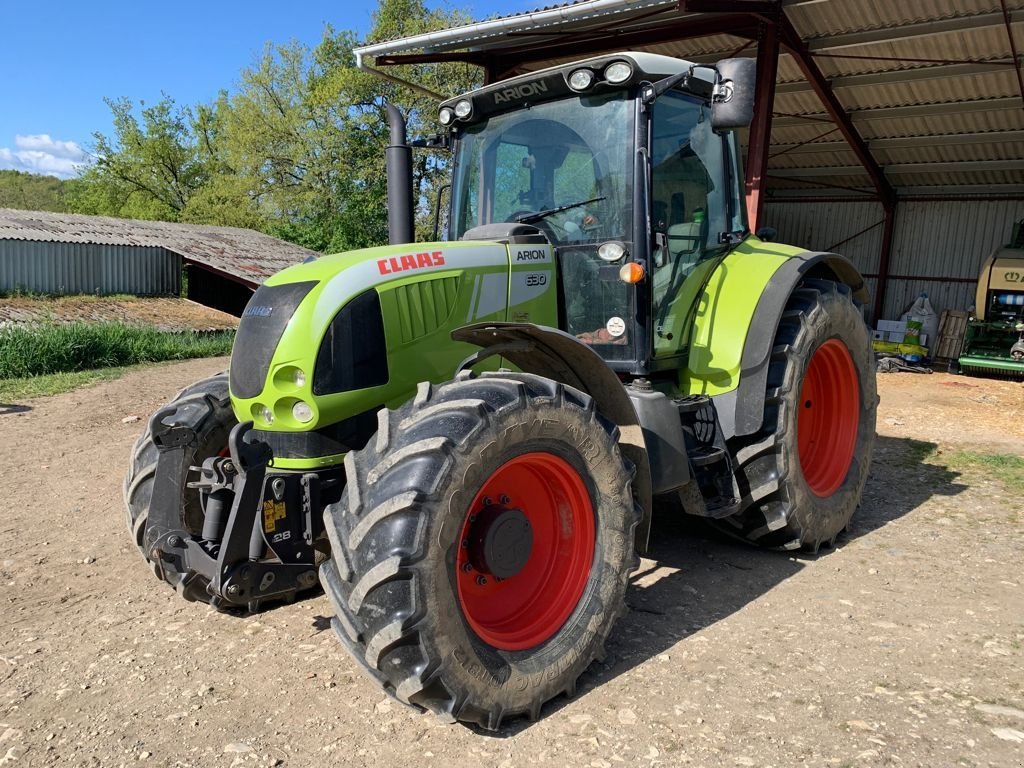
(463, 109)
(581, 79)
(446, 116)
(618, 72)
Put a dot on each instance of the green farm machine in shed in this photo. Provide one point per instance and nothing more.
(994, 338)
(462, 441)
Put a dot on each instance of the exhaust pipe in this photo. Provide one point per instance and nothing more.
(399, 163)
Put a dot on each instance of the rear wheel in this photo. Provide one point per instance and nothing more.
(803, 474)
(205, 407)
(481, 555)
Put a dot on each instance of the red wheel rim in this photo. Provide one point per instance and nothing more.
(828, 419)
(527, 609)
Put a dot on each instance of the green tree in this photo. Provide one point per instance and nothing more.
(297, 150)
(31, 192)
(149, 169)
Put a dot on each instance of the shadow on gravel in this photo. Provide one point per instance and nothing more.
(700, 577)
(900, 482)
(6, 409)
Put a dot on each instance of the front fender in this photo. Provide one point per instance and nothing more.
(560, 357)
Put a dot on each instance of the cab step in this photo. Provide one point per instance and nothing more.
(691, 404)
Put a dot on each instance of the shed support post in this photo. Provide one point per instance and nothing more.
(761, 127)
(888, 231)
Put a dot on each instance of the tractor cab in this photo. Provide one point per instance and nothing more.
(618, 164)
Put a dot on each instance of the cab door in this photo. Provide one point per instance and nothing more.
(692, 202)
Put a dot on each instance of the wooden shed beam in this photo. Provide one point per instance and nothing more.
(896, 76)
(913, 30)
(907, 142)
(897, 169)
(909, 111)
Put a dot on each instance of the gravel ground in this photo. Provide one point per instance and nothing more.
(903, 647)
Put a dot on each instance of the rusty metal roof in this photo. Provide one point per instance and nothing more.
(934, 87)
(241, 254)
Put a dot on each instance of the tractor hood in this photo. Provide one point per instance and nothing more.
(325, 341)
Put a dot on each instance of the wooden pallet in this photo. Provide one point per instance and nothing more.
(952, 326)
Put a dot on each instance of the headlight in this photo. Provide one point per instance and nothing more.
(302, 412)
(618, 72)
(463, 109)
(581, 79)
(446, 116)
(612, 251)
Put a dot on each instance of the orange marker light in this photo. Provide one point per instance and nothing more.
(632, 272)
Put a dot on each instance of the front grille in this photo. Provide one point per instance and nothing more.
(262, 325)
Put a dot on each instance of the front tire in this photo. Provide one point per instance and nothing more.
(205, 407)
(481, 555)
(802, 476)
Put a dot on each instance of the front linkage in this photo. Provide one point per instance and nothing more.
(245, 558)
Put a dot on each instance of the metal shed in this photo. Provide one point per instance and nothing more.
(59, 253)
(890, 132)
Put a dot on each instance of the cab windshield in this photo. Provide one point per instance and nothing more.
(566, 167)
(573, 152)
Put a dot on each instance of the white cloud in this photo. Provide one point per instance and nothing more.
(41, 154)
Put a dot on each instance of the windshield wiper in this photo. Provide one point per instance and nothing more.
(529, 218)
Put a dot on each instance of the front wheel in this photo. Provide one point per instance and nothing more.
(802, 476)
(481, 555)
(205, 407)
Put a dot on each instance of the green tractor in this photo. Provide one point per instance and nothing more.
(993, 342)
(463, 441)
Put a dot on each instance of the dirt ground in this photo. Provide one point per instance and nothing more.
(902, 647)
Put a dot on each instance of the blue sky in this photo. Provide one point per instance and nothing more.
(58, 65)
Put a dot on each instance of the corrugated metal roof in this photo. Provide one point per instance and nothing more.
(246, 255)
(909, 69)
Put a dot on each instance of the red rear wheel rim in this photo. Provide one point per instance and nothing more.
(829, 417)
(527, 609)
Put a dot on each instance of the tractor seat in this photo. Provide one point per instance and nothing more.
(684, 240)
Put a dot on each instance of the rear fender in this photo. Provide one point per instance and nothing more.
(741, 411)
(560, 357)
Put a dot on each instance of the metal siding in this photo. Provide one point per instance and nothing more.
(936, 239)
(239, 253)
(70, 268)
(945, 239)
(824, 227)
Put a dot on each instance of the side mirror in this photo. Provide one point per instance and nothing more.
(732, 105)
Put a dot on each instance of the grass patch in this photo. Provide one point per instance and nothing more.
(78, 347)
(1008, 469)
(29, 387)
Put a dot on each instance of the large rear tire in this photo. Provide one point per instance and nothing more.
(802, 476)
(205, 407)
(481, 554)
